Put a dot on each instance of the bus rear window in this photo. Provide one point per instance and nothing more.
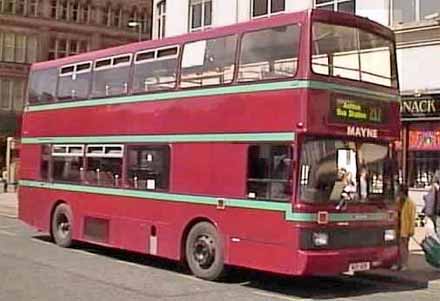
(269, 54)
(351, 53)
(42, 86)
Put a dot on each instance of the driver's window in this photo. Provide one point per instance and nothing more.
(345, 187)
(347, 162)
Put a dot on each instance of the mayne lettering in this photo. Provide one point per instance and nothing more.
(362, 132)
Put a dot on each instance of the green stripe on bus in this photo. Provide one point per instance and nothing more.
(285, 208)
(284, 85)
(253, 137)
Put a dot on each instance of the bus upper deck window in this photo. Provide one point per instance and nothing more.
(42, 86)
(155, 70)
(269, 54)
(209, 62)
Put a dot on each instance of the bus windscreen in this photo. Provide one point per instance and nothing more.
(332, 169)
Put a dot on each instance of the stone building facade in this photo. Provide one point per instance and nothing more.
(40, 30)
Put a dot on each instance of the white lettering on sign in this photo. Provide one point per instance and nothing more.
(362, 132)
(421, 106)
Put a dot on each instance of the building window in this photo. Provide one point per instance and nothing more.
(85, 12)
(117, 17)
(64, 11)
(348, 6)
(5, 94)
(107, 15)
(54, 9)
(11, 94)
(33, 8)
(261, 8)
(20, 8)
(148, 167)
(161, 19)
(9, 6)
(18, 95)
(208, 62)
(62, 49)
(200, 14)
(270, 172)
(9, 47)
(145, 22)
(406, 11)
(59, 48)
(75, 15)
(20, 48)
(32, 49)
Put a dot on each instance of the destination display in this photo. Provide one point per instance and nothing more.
(345, 109)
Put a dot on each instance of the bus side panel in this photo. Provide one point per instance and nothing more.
(236, 113)
(265, 238)
(29, 163)
(261, 240)
(209, 169)
(34, 207)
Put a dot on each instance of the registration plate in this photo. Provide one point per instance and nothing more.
(359, 266)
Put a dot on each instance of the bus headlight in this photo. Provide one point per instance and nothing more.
(320, 239)
(390, 235)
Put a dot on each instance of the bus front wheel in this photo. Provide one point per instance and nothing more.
(204, 252)
(62, 225)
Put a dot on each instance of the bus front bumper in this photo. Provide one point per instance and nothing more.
(334, 262)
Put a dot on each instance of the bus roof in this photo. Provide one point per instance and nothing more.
(278, 20)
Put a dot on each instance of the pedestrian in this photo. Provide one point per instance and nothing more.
(407, 219)
(432, 202)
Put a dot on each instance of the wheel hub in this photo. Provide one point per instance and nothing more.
(204, 251)
(63, 225)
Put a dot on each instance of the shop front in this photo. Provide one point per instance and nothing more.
(421, 141)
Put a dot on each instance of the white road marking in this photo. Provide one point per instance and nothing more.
(190, 277)
(281, 297)
(137, 265)
(83, 252)
(7, 233)
(6, 228)
(42, 241)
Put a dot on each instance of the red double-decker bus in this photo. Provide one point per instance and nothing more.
(266, 145)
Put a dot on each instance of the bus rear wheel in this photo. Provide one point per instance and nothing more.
(62, 225)
(204, 252)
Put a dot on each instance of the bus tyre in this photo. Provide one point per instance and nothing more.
(62, 225)
(204, 251)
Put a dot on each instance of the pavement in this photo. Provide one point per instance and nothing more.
(8, 204)
(419, 274)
